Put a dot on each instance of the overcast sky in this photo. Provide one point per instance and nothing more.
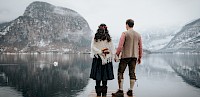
(146, 13)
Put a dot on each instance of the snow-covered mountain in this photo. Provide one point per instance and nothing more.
(186, 40)
(157, 38)
(45, 27)
(154, 39)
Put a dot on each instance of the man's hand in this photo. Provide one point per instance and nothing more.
(139, 60)
(115, 59)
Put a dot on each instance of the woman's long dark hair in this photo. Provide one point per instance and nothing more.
(102, 33)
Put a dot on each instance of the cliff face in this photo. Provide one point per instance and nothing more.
(45, 27)
(186, 40)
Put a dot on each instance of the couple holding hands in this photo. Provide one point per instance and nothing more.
(102, 51)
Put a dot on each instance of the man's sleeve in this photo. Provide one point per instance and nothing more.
(121, 44)
(140, 47)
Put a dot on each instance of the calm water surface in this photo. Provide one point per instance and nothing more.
(159, 75)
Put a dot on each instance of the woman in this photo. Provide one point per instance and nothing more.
(102, 51)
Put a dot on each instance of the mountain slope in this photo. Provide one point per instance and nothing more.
(156, 38)
(45, 27)
(186, 40)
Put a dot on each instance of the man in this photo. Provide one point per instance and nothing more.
(130, 46)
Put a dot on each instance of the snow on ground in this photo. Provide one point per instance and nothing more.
(5, 31)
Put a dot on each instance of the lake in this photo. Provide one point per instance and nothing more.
(159, 75)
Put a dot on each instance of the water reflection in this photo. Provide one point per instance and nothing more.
(155, 67)
(35, 75)
(159, 75)
(188, 67)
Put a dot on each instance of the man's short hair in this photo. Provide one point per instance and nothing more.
(130, 22)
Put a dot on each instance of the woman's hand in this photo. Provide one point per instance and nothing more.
(105, 51)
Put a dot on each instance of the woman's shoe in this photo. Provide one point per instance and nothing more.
(104, 91)
(98, 90)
